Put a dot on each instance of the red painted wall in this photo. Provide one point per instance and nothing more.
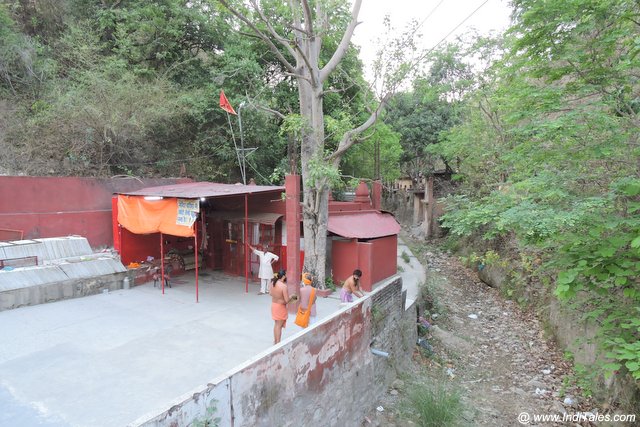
(384, 258)
(377, 259)
(137, 247)
(365, 257)
(59, 206)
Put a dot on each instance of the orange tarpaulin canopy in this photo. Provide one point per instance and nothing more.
(142, 216)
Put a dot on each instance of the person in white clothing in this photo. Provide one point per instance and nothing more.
(266, 270)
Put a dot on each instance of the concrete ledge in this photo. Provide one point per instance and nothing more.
(56, 291)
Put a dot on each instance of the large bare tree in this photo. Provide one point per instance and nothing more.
(299, 52)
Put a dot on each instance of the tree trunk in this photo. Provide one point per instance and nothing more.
(305, 48)
(315, 200)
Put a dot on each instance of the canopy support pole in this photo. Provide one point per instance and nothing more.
(246, 243)
(195, 236)
(162, 261)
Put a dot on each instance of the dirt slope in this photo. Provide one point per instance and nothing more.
(488, 349)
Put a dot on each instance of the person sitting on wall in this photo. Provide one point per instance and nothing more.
(351, 287)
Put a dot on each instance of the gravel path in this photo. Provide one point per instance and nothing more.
(488, 349)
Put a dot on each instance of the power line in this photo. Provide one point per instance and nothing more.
(160, 162)
(428, 15)
(454, 29)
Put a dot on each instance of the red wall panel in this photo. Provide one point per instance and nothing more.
(365, 258)
(59, 206)
(377, 259)
(384, 258)
(344, 255)
(137, 247)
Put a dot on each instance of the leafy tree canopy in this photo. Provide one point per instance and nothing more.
(547, 151)
(132, 86)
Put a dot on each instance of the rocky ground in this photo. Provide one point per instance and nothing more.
(486, 348)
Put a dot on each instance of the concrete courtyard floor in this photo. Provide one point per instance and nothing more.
(109, 359)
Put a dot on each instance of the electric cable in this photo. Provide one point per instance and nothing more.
(454, 29)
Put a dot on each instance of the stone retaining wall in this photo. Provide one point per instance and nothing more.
(325, 375)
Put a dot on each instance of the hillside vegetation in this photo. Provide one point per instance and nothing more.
(548, 161)
(109, 87)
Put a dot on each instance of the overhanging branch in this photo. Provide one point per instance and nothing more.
(344, 43)
(348, 138)
(260, 34)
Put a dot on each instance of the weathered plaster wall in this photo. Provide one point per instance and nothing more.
(325, 375)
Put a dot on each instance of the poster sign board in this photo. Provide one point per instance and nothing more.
(187, 211)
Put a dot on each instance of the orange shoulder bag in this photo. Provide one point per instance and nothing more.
(302, 317)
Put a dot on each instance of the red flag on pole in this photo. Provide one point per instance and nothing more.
(224, 104)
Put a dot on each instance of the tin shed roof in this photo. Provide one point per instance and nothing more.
(47, 248)
(363, 225)
(195, 190)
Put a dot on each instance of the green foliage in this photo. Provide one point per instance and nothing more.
(292, 124)
(428, 297)
(22, 68)
(544, 153)
(360, 159)
(432, 405)
(420, 117)
(156, 37)
(582, 377)
(405, 257)
(209, 420)
(149, 73)
(602, 259)
(99, 125)
(321, 173)
(329, 284)
(476, 261)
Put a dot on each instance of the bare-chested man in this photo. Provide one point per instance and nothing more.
(351, 287)
(279, 300)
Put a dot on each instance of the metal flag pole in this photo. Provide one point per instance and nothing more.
(233, 137)
(243, 167)
(246, 243)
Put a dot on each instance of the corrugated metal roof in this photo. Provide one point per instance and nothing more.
(66, 247)
(91, 268)
(60, 259)
(46, 249)
(46, 274)
(363, 225)
(30, 276)
(22, 249)
(195, 190)
(268, 218)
